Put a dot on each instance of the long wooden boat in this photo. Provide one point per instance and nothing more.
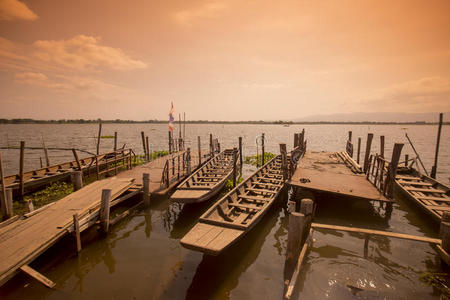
(237, 212)
(428, 193)
(208, 180)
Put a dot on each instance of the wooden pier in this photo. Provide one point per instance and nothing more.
(327, 172)
(24, 239)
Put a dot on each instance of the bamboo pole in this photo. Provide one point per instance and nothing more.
(417, 154)
(434, 168)
(75, 155)
(263, 152)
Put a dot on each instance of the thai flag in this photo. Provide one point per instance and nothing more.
(171, 118)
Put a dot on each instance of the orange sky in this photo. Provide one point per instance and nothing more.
(222, 60)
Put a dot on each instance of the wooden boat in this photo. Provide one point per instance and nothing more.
(431, 195)
(237, 212)
(208, 180)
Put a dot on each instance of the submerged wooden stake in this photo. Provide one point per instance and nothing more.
(295, 236)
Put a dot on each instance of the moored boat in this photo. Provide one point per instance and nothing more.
(429, 194)
(209, 180)
(237, 212)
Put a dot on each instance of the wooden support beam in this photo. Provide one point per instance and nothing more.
(38, 276)
(104, 210)
(76, 227)
(75, 155)
(377, 232)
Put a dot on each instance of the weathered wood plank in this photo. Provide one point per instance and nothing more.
(38, 276)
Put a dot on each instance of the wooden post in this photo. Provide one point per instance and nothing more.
(382, 146)
(211, 151)
(367, 155)
(3, 205)
(188, 158)
(40, 160)
(47, 160)
(302, 138)
(147, 148)
(396, 152)
(184, 128)
(146, 189)
(6, 205)
(445, 219)
(75, 155)
(406, 160)
(76, 230)
(170, 141)
(436, 154)
(359, 150)
(350, 136)
(199, 151)
(77, 180)
(234, 166)
(115, 140)
(21, 169)
(99, 136)
(307, 208)
(283, 160)
(417, 154)
(240, 151)
(445, 232)
(295, 237)
(143, 142)
(296, 140)
(179, 120)
(29, 205)
(291, 206)
(263, 152)
(104, 210)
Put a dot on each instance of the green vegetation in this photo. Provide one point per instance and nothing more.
(107, 136)
(229, 184)
(253, 160)
(437, 280)
(140, 159)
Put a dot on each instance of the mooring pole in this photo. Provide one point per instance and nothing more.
(359, 150)
(417, 154)
(406, 160)
(434, 168)
(350, 136)
(199, 151)
(234, 166)
(147, 148)
(77, 180)
(262, 150)
(170, 142)
(382, 146)
(76, 230)
(146, 189)
(211, 151)
(99, 136)
(143, 142)
(296, 140)
(3, 191)
(47, 160)
(184, 129)
(104, 210)
(115, 140)
(366, 156)
(21, 169)
(240, 150)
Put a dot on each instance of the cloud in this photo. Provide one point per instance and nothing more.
(14, 9)
(422, 95)
(84, 53)
(208, 10)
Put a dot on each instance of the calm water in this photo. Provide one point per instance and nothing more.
(141, 258)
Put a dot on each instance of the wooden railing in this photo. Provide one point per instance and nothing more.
(112, 161)
(175, 167)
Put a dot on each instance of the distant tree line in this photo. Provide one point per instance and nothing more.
(155, 121)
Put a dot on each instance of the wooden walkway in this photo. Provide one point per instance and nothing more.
(326, 172)
(156, 168)
(24, 240)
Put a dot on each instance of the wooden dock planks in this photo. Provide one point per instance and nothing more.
(25, 239)
(326, 172)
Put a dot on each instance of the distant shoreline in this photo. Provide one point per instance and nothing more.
(82, 121)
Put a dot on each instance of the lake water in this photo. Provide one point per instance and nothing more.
(142, 258)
